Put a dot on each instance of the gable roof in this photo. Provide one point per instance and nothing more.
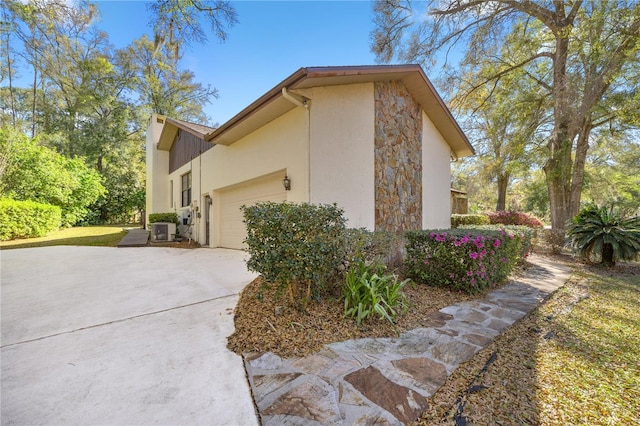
(168, 134)
(272, 104)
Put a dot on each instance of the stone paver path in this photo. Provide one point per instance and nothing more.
(387, 381)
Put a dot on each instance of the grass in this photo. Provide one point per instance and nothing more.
(108, 236)
(590, 373)
(574, 360)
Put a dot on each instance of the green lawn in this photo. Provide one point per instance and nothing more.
(590, 373)
(108, 236)
(573, 361)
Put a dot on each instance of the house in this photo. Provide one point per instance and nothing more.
(376, 140)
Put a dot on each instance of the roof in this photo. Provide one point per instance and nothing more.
(273, 104)
(168, 133)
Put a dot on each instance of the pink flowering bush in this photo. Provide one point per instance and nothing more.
(514, 218)
(462, 259)
(526, 234)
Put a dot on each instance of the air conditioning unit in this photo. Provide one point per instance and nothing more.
(162, 232)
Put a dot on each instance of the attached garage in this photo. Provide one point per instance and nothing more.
(231, 225)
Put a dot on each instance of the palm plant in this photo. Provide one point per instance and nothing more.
(598, 231)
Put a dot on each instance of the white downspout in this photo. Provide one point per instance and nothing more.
(303, 102)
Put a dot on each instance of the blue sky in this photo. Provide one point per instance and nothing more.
(272, 40)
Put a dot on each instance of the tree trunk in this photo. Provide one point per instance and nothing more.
(503, 182)
(577, 180)
(607, 254)
(10, 74)
(35, 95)
(558, 166)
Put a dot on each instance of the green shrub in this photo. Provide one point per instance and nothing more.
(462, 259)
(37, 173)
(514, 218)
(27, 219)
(526, 234)
(295, 246)
(458, 220)
(163, 217)
(379, 247)
(368, 291)
(601, 233)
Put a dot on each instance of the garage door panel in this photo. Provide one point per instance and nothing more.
(232, 228)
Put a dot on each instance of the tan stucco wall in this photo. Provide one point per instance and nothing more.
(342, 150)
(436, 178)
(157, 187)
(278, 146)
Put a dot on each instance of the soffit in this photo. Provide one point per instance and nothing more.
(272, 104)
(170, 130)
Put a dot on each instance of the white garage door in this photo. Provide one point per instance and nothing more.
(232, 228)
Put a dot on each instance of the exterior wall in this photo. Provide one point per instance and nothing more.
(436, 183)
(342, 166)
(398, 158)
(279, 146)
(157, 184)
(186, 147)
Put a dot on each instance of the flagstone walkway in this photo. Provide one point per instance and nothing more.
(387, 381)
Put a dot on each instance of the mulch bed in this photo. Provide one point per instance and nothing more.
(266, 323)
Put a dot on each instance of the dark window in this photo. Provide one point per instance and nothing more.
(186, 189)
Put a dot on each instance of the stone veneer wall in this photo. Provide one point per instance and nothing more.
(398, 158)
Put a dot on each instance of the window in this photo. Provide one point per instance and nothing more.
(171, 205)
(186, 189)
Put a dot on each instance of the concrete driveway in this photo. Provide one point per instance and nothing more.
(98, 335)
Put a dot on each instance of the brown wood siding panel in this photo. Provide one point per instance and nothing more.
(185, 148)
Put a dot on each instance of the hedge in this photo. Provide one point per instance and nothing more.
(163, 217)
(469, 260)
(296, 246)
(526, 234)
(514, 218)
(27, 219)
(458, 220)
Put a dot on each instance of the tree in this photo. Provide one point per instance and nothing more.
(612, 173)
(90, 102)
(178, 21)
(502, 129)
(37, 173)
(161, 85)
(606, 234)
(582, 54)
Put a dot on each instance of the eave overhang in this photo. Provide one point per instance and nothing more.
(272, 104)
(170, 130)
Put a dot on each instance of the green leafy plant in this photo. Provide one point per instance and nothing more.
(458, 220)
(163, 217)
(526, 234)
(368, 291)
(295, 246)
(597, 232)
(26, 219)
(469, 260)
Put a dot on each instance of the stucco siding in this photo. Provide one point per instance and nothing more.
(279, 145)
(436, 177)
(342, 150)
(157, 186)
